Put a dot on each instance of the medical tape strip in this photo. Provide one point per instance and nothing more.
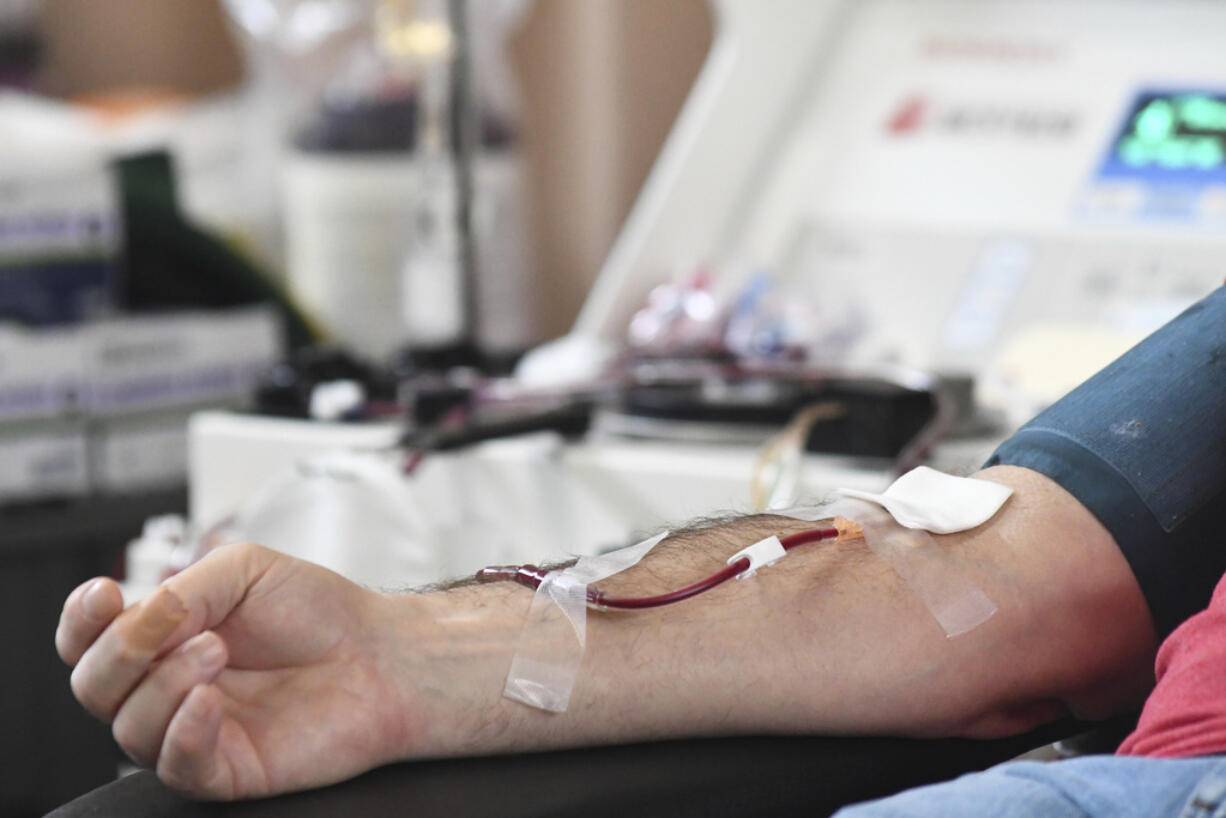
(554, 635)
(953, 598)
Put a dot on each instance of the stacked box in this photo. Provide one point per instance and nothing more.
(103, 407)
(43, 436)
(145, 377)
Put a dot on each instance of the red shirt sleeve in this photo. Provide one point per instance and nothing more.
(1186, 713)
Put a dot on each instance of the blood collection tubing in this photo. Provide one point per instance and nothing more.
(532, 576)
(551, 645)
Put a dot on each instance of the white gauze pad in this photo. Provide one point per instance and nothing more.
(937, 502)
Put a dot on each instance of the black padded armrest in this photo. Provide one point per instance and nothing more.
(741, 777)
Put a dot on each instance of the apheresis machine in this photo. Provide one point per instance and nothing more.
(979, 200)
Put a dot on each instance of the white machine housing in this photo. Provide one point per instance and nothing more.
(936, 163)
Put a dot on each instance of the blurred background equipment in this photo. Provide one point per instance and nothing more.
(20, 46)
(383, 197)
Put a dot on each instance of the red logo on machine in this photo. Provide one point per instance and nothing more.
(918, 114)
(908, 117)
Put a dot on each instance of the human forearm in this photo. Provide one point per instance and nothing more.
(830, 640)
(319, 679)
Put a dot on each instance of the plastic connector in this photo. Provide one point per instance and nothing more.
(848, 529)
(760, 554)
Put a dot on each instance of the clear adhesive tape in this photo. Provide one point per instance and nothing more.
(554, 635)
(953, 599)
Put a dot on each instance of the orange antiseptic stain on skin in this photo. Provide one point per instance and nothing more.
(147, 624)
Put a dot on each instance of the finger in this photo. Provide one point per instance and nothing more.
(112, 666)
(215, 585)
(140, 725)
(189, 759)
(87, 612)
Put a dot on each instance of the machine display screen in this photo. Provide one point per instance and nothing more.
(1176, 137)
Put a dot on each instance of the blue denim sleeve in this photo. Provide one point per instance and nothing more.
(1142, 445)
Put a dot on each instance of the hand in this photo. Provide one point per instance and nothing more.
(247, 674)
